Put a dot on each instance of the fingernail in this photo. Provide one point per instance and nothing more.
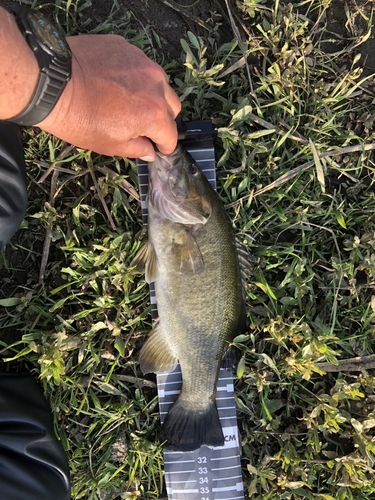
(148, 158)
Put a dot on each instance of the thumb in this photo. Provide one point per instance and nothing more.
(139, 148)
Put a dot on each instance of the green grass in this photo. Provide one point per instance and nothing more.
(297, 181)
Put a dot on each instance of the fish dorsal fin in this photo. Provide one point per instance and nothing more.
(186, 251)
(145, 261)
(245, 262)
(156, 355)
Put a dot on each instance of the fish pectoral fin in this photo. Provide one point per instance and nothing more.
(145, 262)
(156, 355)
(186, 252)
(231, 358)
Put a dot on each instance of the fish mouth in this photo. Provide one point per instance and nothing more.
(171, 157)
(166, 193)
(165, 168)
(165, 163)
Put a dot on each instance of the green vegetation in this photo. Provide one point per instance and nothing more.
(296, 171)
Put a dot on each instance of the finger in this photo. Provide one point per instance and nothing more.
(165, 134)
(173, 101)
(140, 147)
(165, 138)
(163, 131)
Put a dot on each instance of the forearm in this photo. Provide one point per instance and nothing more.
(18, 68)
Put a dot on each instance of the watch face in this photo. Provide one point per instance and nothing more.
(49, 34)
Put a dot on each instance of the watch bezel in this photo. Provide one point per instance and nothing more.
(35, 28)
(27, 19)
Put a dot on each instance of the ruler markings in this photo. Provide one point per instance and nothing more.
(220, 468)
(186, 491)
(237, 476)
(237, 487)
(183, 481)
(182, 472)
(167, 393)
(181, 461)
(213, 459)
(234, 498)
(220, 401)
(201, 150)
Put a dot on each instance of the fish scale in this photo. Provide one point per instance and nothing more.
(207, 477)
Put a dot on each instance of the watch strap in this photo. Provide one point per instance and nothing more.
(48, 90)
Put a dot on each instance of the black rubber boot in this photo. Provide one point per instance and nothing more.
(33, 464)
(13, 193)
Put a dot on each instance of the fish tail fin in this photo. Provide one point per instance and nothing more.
(185, 429)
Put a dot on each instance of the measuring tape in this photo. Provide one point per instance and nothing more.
(207, 473)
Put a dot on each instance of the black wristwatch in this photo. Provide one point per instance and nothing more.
(54, 57)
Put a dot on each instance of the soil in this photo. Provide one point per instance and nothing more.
(171, 20)
(356, 27)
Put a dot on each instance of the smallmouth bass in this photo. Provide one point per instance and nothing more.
(191, 257)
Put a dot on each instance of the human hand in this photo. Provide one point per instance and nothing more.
(116, 101)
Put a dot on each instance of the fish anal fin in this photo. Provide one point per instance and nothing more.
(156, 355)
(187, 429)
(187, 253)
(145, 262)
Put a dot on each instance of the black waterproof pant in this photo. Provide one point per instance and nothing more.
(33, 465)
(13, 194)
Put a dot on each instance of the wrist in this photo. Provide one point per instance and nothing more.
(19, 69)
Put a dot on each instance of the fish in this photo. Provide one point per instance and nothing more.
(191, 257)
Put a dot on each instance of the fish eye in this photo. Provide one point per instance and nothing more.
(193, 168)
